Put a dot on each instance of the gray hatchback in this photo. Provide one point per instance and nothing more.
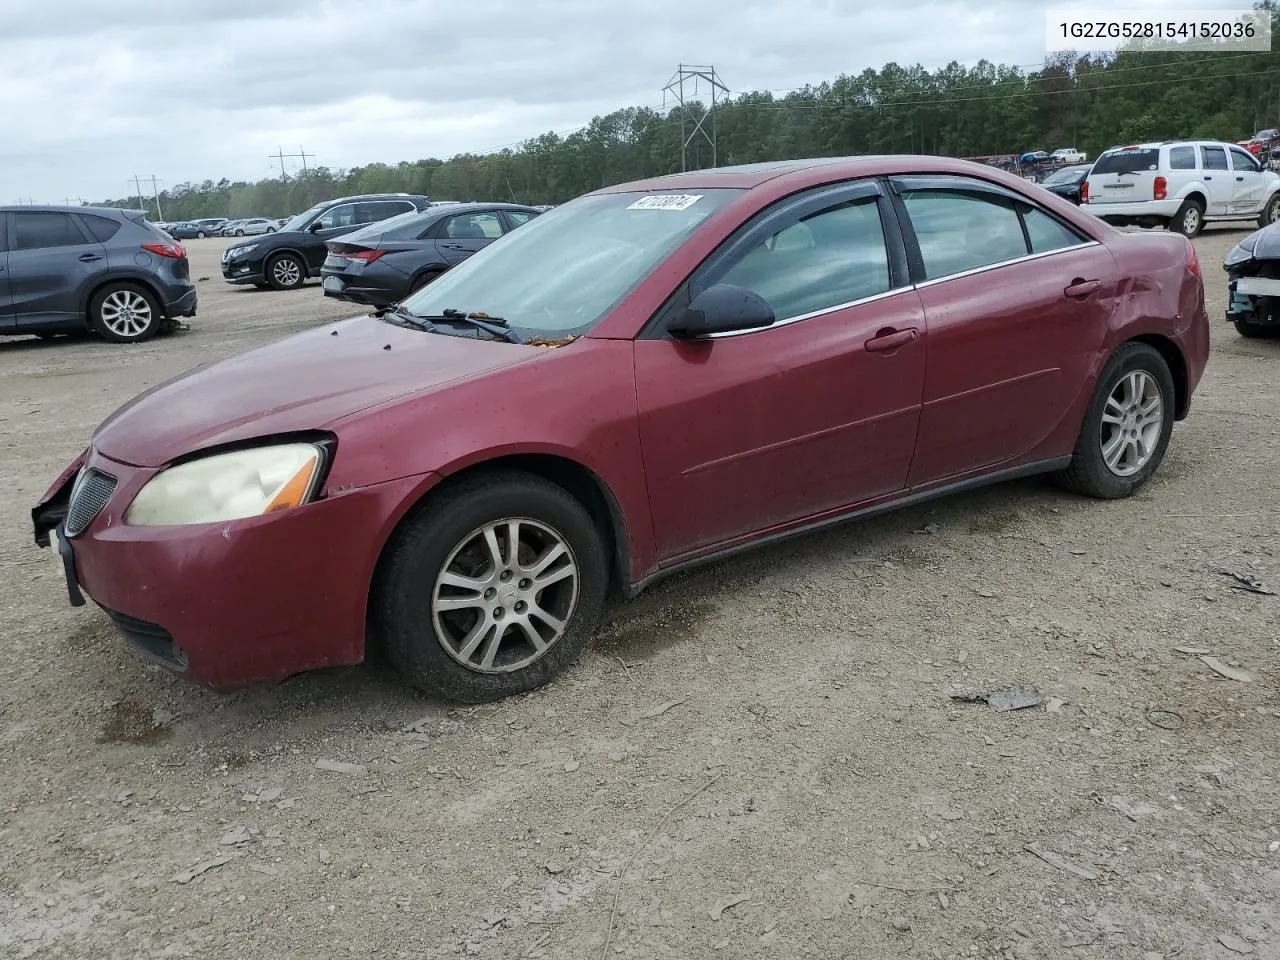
(75, 269)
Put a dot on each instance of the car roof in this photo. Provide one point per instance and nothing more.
(810, 172)
(55, 208)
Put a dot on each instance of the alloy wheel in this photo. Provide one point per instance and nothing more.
(126, 313)
(1132, 421)
(286, 271)
(1191, 221)
(504, 595)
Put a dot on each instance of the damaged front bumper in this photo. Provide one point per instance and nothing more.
(1254, 300)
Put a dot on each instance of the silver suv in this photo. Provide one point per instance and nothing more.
(1181, 185)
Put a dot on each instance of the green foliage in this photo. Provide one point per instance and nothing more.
(1086, 102)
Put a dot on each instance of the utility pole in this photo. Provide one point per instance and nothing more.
(282, 156)
(691, 74)
(155, 192)
(137, 188)
(79, 201)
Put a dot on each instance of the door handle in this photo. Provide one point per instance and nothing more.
(89, 257)
(889, 339)
(1239, 178)
(1082, 288)
(1208, 178)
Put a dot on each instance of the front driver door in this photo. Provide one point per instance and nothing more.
(333, 223)
(1250, 185)
(754, 429)
(463, 235)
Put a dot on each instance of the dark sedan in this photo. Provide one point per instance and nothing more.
(1067, 181)
(384, 263)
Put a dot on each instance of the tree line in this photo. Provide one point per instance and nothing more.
(1087, 102)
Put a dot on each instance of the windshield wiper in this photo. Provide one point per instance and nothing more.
(402, 317)
(494, 326)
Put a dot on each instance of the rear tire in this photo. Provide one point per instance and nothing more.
(286, 272)
(1271, 212)
(429, 277)
(1189, 220)
(125, 313)
(200, 234)
(443, 548)
(1120, 421)
(1247, 329)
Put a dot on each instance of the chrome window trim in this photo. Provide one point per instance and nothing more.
(1005, 263)
(809, 316)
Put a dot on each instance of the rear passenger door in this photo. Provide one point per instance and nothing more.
(1017, 305)
(1218, 179)
(51, 261)
(463, 235)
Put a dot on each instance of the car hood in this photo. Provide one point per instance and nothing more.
(304, 382)
(1267, 246)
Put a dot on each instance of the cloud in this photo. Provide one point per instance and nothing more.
(97, 91)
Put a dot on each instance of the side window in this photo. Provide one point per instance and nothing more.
(1046, 233)
(960, 231)
(474, 226)
(374, 211)
(831, 257)
(1215, 158)
(102, 228)
(1243, 162)
(519, 216)
(1182, 158)
(37, 231)
(343, 215)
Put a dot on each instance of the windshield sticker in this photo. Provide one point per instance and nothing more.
(666, 201)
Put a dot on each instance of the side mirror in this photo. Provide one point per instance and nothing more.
(719, 309)
(316, 227)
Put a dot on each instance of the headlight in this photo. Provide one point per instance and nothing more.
(1242, 251)
(241, 251)
(229, 486)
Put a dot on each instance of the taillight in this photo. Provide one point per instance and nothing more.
(1193, 259)
(1084, 191)
(364, 256)
(173, 250)
(1161, 188)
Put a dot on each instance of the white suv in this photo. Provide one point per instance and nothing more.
(1181, 185)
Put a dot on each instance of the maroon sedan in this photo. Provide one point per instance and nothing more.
(648, 377)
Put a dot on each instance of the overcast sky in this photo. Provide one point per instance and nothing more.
(98, 90)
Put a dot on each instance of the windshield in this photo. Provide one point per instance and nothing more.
(297, 222)
(1128, 161)
(1069, 175)
(561, 272)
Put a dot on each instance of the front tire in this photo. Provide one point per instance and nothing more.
(1127, 427)
(201, 234)
(285, 272)
(464, 616)
(125, 313)
(1189, 220)
(239, 233)
(1271, 212)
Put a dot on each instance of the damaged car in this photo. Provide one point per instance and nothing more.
(1253, 283)
(647, 378)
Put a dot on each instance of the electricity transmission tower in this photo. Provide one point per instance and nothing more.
(155, 193)
(691, 74)
(282, 157)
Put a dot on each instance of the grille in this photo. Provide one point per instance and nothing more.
(90, 494)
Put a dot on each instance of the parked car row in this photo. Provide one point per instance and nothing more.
(375, 249)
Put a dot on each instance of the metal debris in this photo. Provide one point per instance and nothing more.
(186, 876)
(1231, 673)
(1004, 699)
(1061, 862)
(337, 766)
(1248, 582)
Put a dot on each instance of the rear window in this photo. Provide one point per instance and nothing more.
(103, 228)
(1128, 161)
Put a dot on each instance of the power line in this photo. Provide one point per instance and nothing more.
(282, 156)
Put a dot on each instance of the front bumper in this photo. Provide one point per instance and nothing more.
(249, 270)
(231, 603)
(1254, 300)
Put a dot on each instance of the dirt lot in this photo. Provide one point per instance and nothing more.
(810, 789)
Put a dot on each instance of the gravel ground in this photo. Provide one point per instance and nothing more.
(759, 759)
